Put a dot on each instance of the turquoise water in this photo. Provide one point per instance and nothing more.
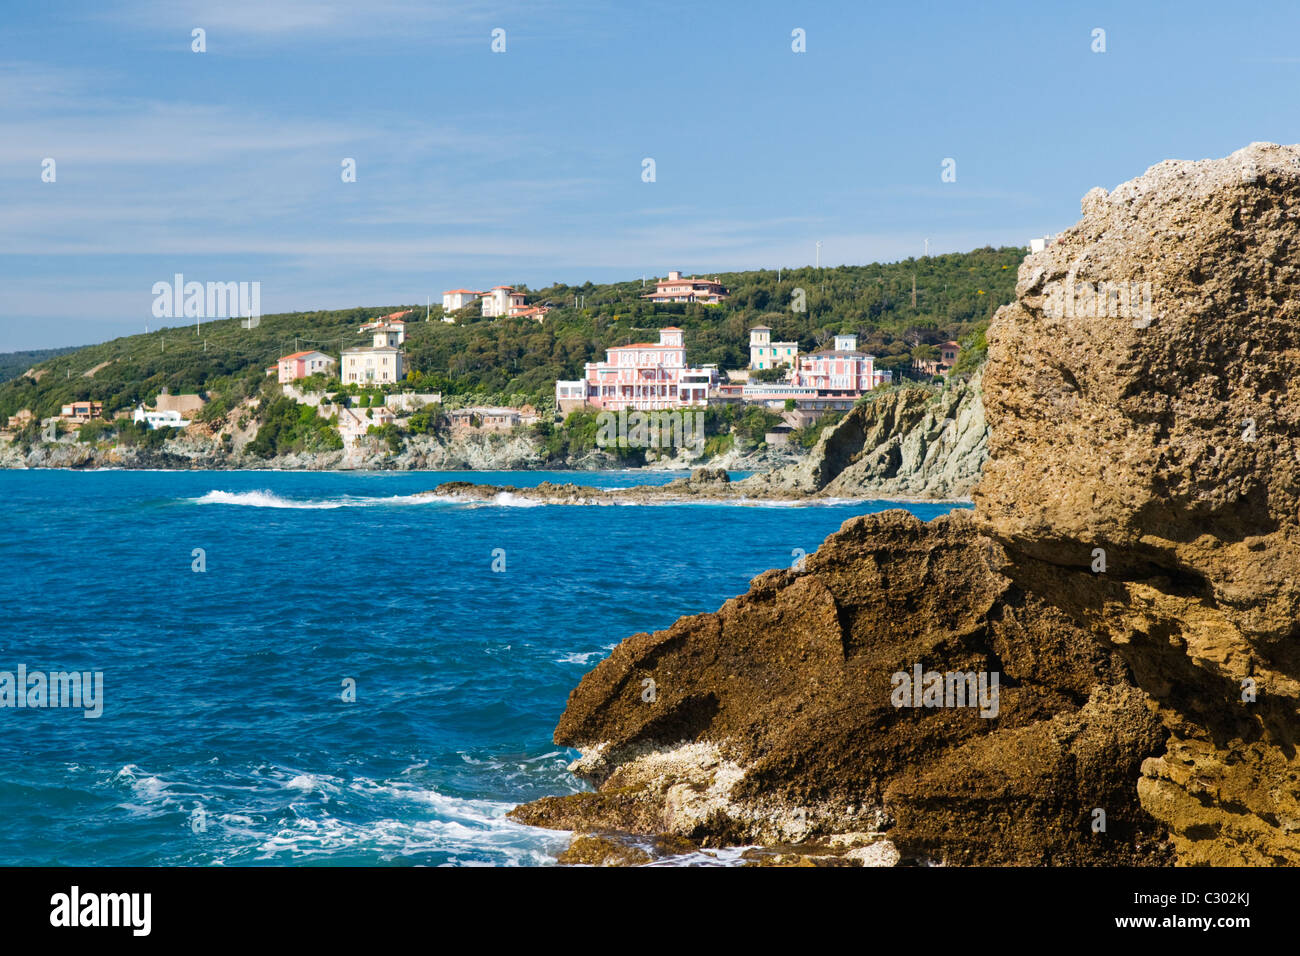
(224, 738)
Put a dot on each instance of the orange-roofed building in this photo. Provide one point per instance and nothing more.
(454, 299)
(301, 364)
(501, 300)
(677, 289)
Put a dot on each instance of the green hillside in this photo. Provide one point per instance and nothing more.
(13, 364)
(955, 296)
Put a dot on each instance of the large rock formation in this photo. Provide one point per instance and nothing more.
(1166, 433)
(901, 443)
(1132, 572)
(773, 721)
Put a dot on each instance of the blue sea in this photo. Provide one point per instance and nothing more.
(225, 737)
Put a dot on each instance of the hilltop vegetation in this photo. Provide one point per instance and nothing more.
(503, 360)
(13, 364)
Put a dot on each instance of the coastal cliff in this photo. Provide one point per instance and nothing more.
(1131, 573)
(911, 443)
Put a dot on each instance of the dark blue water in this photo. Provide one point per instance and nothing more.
(224, 738)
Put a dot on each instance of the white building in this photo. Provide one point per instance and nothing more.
(501, 300)
(378, 364)
(165, 419)
(764, 353)
(1038, 245)
(454, 299)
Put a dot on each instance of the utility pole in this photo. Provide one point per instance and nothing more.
(914, 290)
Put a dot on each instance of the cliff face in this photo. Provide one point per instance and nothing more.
(1169, 437)
(904, 443)
(1130, 572)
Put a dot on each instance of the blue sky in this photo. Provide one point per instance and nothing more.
(477, 168)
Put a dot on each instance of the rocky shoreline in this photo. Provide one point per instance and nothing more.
(903, 445)
(421, 453)
(1129, 580)
(906, 444)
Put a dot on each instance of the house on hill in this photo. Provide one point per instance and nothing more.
(377, 364)
(78, 413)
(642, 376)
(454, 299)
(156, 419)
(948, 355)
(301, 364)
(764, 353)
(500, 300)
(841, 371)
(677, 289)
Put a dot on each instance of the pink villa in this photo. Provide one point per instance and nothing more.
(841, 370)
(301, 364)
(677, 289)
(644, 376)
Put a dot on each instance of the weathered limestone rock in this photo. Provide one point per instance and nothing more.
(772, 721)
(1167, 434)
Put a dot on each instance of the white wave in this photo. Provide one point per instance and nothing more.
(469, 831)
(269, 499)
(505, 499)
(725, 856)
(578, 658)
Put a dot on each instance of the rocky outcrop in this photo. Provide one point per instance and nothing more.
(773, 720)
(1167, 435)
(909, 443)
(903, 443)
(1132, 569)
(198, 448)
